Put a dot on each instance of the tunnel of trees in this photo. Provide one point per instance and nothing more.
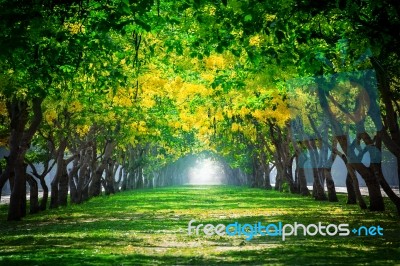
(114, 95)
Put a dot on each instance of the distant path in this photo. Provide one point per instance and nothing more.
(5, 199)
(364, 190)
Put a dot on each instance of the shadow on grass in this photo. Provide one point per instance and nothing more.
(288, 254)
(149, 227)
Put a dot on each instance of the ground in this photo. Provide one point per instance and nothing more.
(150, 227)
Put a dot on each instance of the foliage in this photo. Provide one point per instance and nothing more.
(171, 78)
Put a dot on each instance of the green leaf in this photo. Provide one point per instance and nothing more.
(67, 68)
(280, 35)
(120, 55)
(235, 52)
(179, 49)
(125, 9)
(143, 25)
(219, 49)
(183, 7)
(248, 18)
(196, 3)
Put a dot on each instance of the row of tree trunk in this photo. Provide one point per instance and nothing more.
(81, 173)
(331, 138)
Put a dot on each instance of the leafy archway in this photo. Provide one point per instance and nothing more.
(114, 92)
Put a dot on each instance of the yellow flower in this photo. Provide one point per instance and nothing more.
(74, 28)
(215, 62)
(148, 102)
(82, 130)
(259, 115)
(244, 111)
(75, 107)
(3, 108)
(50, 115)
(207, 77)
(269, 17)
(235, 127)
(255, 40)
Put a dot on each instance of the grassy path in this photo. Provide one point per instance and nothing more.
(150, 227)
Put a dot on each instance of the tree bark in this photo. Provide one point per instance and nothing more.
(117, 183)
(54, 200)
(17, 207)
(302, 178)
(267, 173)
(282, 158)
(376, 200)
(375, 195)
(318, 188)
(95, 186)
(43, 202)
(356, 186)
(33, 194)
(41, 177)
(332, 197)
(73, 181)
(392, 140)
(20, 140)
(63, 185)
(300, 158)
(351, 195)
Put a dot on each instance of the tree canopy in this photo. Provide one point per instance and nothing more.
(136, 85)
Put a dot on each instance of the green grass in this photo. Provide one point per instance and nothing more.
(150, 227)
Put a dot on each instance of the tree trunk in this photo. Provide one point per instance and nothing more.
(356, 186)
(124, 179)
(95, 186)
(33, 194)
(8, 173)
(109, 179)
(375, 195)
(17, 207)
(330, 184)
(60, 170)
(301, 175)
(63, 186)
(85, 189)
(43, 202)
(83, 181)
(318, 190)
(390, 117)
(303, 183)
(351, 195)
(20, 140)
(73, 190)
(376, 200)
(73, 181)
(267, 173)
(41, 177)
(139, 178)
(392, 196)
(385, 186)
(120, 175)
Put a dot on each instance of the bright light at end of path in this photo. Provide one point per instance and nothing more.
(206, 172)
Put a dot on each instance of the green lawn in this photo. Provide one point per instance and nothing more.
(150, 227)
